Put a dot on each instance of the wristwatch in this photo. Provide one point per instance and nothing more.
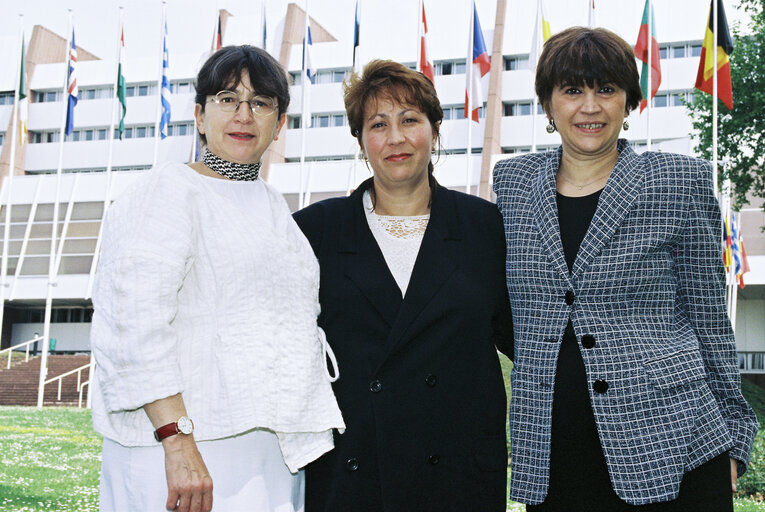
(184, 425)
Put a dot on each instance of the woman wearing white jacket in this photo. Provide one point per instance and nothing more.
(211, 384)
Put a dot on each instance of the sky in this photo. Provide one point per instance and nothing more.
(388, 27)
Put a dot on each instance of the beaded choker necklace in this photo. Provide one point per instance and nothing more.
(231, 170)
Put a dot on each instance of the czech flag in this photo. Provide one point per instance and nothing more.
(481, 66)
(724, 49)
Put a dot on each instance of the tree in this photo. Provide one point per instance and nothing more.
(741, 131)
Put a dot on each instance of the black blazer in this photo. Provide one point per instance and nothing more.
(420, 385)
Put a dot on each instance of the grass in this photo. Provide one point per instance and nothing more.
(50, 459)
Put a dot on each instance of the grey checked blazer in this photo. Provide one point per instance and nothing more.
(648, 285)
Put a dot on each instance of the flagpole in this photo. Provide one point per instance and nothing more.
(54, 223)
(469, 104)
(304, 117)
(11, 165)
(714, 95)
(112, 122)
(649, 82)
(159, 82)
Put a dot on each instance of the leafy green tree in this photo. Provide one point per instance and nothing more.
(741, 131)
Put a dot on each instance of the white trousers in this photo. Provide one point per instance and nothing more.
(248, 474)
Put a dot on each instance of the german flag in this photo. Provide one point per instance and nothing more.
(706, 64)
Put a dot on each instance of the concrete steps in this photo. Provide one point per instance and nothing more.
(18, 385)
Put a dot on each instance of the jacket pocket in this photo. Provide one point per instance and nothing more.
(675, 369)
(490, 453)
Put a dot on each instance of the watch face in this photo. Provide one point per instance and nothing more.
(185, 425)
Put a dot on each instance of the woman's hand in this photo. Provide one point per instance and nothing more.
(189, 486)
(733, 474)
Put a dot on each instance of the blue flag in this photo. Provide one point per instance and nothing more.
(165, 99)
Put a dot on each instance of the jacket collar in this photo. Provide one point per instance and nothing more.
(435, 263)
(614, 203)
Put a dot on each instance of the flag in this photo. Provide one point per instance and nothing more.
(121, 86)
(641, 52)
(590, 13)
(355, 34)
(426, 64)
(740, 265)
(541, 34)
(308, 69)
(164, 121)
(706, 63)
(218, 37)
(481, 66)
(728, 243)
(265, 34)
(72, 91)
(23, 104)
(308, 72)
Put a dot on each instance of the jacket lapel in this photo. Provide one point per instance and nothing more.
(614, 203)
(434, 266)
(363, 261)
(546, 213)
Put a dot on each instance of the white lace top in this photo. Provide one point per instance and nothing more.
(399, 239)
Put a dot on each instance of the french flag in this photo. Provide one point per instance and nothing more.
(480, 66)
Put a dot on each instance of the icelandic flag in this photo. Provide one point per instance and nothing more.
(72, 91)
(481, 66)
(164, 121)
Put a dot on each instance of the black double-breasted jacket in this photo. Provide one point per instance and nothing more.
(420, 385)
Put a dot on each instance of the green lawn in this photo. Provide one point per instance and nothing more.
(50, 459)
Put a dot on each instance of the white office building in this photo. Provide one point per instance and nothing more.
(330, 168)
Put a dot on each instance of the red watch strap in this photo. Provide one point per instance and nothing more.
(166, 431)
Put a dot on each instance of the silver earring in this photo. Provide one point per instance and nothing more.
(626, 125)
(550, 127)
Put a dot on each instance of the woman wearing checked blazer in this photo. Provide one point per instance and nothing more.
(626, 390)
(414, 304)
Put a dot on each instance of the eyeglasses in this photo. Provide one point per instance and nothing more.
(229, 101)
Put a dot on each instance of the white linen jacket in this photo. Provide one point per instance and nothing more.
(192, 297)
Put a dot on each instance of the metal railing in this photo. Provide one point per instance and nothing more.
(26, 346)
(751, 362)
(80, 388)
(60, 379)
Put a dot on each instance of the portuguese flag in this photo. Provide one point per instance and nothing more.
(724, 49)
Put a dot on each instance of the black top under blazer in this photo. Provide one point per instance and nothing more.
(646, 300)
(420, 386)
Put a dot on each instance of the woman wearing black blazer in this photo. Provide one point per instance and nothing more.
(414, 305)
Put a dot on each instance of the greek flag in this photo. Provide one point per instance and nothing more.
(165, 119)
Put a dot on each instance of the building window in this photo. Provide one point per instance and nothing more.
(2, 138)
(338, 120)
(516, 62)
(6, 98)
(143, 90)
(101, 134)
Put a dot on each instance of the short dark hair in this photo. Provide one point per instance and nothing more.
(579, 56)
(223, 70)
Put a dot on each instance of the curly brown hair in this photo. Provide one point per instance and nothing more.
(389, 80)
